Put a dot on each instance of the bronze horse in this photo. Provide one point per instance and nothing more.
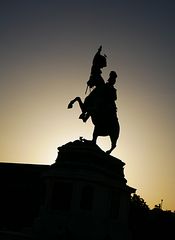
(100, 103)
(105, 123)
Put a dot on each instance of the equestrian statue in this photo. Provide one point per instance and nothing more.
(100, 105)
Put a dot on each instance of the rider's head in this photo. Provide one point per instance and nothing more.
(113, 74)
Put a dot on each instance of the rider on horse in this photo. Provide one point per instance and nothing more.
(92, 101)
(100, 103)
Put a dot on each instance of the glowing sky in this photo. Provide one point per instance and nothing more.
(46, 50)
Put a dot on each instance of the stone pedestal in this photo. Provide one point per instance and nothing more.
(87, 196)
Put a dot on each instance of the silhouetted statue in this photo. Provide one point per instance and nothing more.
(99, 62)
(100, 103)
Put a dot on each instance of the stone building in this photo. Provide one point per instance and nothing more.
(86, 196)
(83, 195)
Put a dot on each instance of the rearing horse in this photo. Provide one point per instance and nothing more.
(103, 117)
(100, 103)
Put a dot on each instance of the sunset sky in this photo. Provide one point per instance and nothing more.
(46, 51)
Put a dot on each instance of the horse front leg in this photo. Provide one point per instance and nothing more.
(77, 99)
(84, 115)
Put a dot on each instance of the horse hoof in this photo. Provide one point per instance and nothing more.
(84, 116)
(70, 105)
(108, 152)
(81, 116)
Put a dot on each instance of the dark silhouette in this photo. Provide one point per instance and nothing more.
(24, 194)
(99, 62)
(100, 103)
(146, 223)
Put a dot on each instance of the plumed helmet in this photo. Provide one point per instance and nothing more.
(99, 60)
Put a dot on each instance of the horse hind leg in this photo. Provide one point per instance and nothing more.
(114, 138)
(114, 135)
(95, 136)
(111, 149)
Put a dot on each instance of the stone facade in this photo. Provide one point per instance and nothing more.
(86, 196)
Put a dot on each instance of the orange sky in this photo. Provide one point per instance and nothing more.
(46, 53)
